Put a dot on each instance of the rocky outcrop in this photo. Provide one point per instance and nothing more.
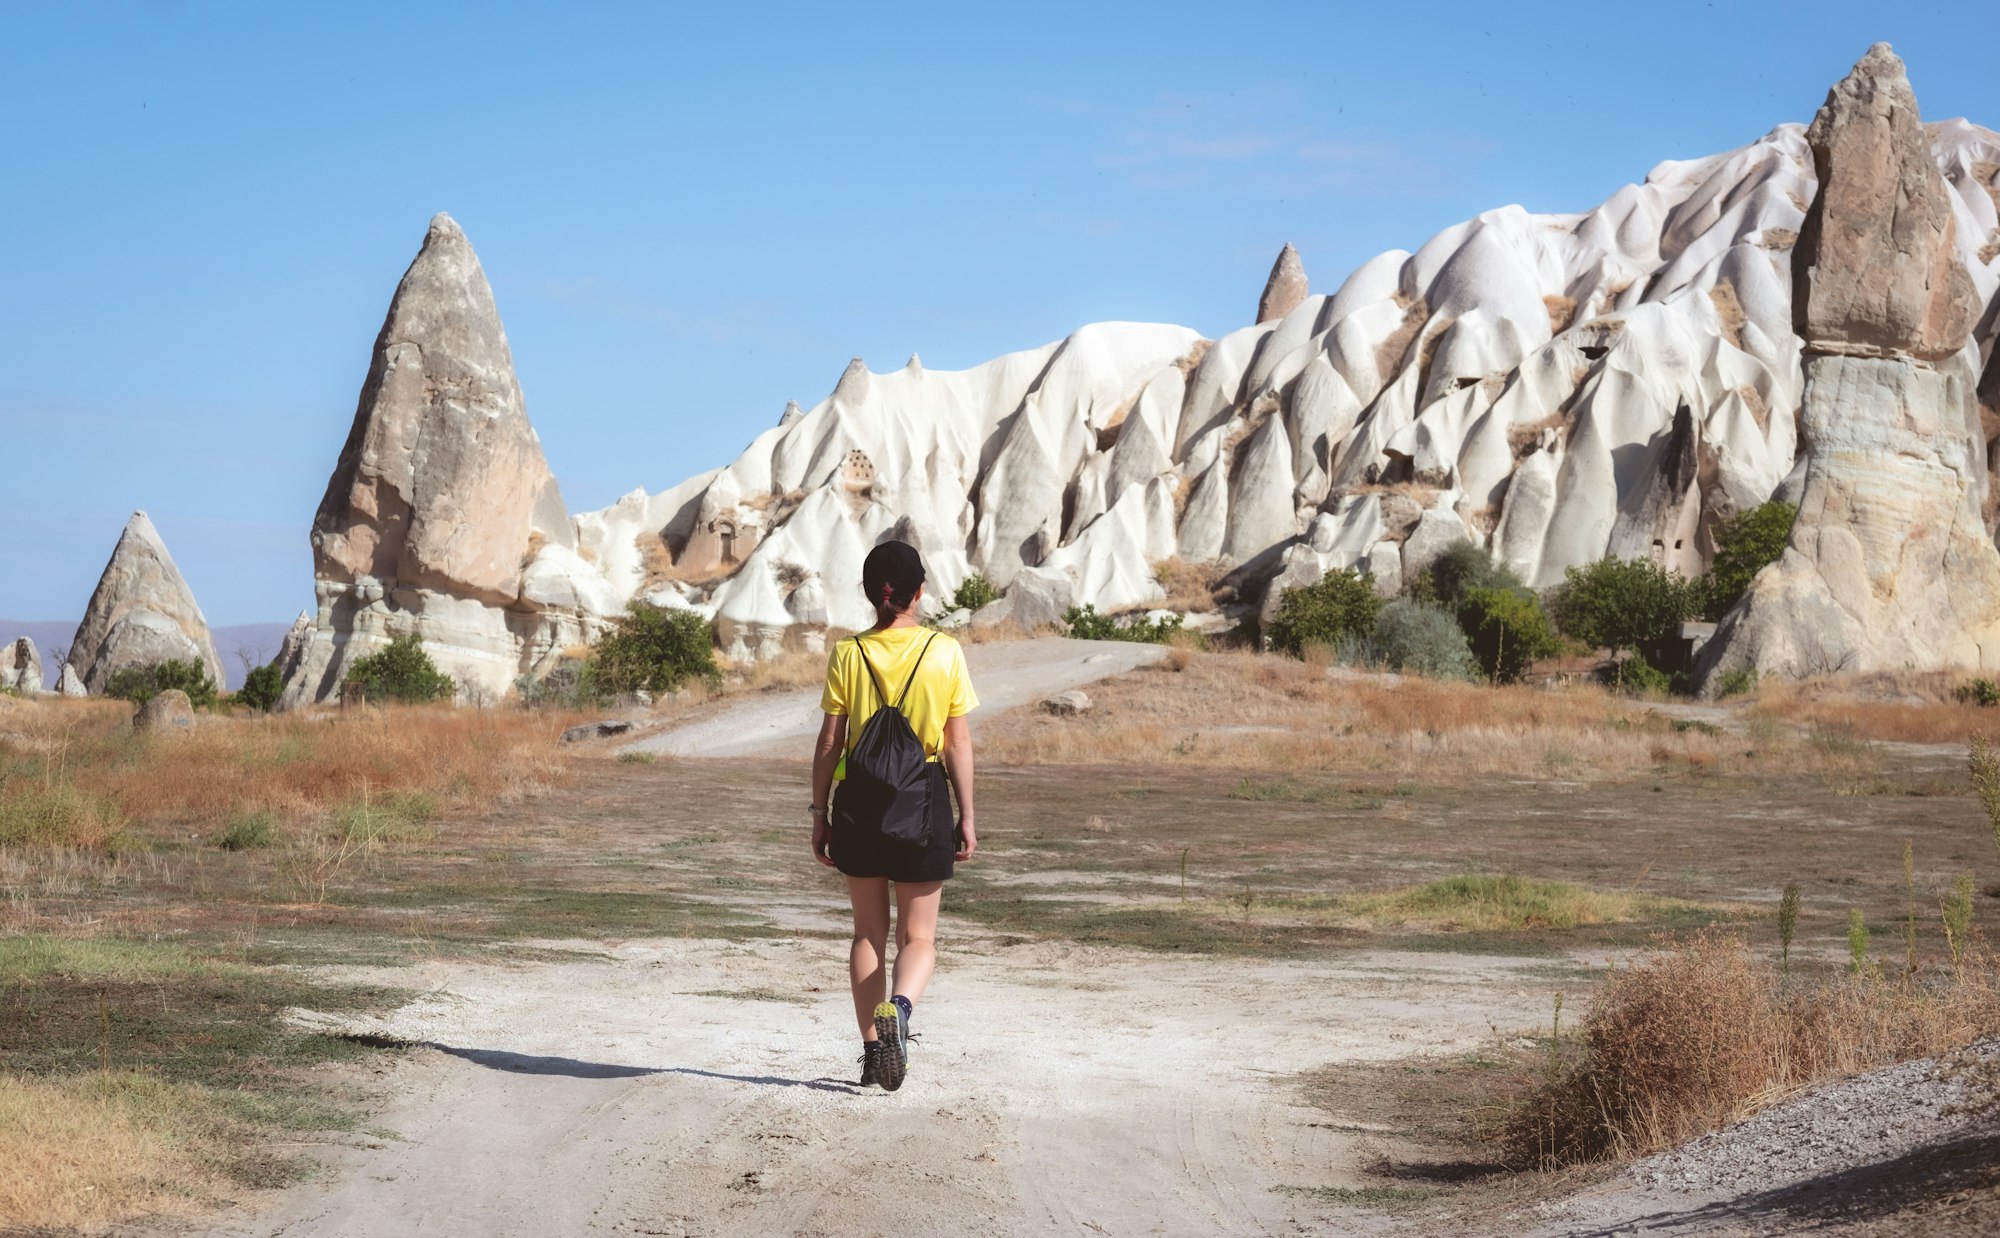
(1555, 387)
(1285, 290)
(441, 517)
(142, 613)
(69, 683)
(21, 668)
(1890, 564)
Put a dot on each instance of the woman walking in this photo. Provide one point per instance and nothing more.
(894, 736)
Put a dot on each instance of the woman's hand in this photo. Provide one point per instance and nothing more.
(968, 838)
(822, 836)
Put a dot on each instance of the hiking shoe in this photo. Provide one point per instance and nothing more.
(892, 1052)
(870, 1053)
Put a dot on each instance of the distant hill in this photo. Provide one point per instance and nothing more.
(261, 639)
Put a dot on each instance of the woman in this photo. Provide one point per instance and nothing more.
(895, 665)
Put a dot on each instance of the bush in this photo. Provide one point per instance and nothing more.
(654, 649)
(248, 831)
(573, 684)
(261, 688)
(402, 672)
(1417, 639)
(1977, 692)
(1084, 623)
(1461, 567)
(46, 810)
(975, 592)
(1342, 604)
(140, 684)
(1632, 605)
(1507, 630)
(1635, 676)
(1736, 682)
(1744, 545)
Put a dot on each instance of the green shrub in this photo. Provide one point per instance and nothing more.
(140, 684)
(654, 649)
(1507, 630)
(975, 592)
(1342, 604)
(248, 831)
(1417, 639)
(1625, 604)
(402, 672)
(1635, 676)
(45, 810)
(1084, 623)
(1744, 544)
(1977, 692)
(1736, 682)
(396, 817)
(261, 688)
(1462, 566)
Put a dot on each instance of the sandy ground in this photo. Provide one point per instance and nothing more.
(1006, 674)
(701, 1087)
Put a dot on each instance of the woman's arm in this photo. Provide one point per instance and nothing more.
(957, 754)
(826, 758)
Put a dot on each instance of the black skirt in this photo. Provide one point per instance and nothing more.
(861, 850)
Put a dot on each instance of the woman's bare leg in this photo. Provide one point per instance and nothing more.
(916, 935)
(865, 958)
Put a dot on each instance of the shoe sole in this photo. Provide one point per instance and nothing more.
(892, 1059)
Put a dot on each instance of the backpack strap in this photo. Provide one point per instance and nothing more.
(913, 672)
(881, 690)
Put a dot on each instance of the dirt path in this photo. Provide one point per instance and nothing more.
(697, 1087)
(1007, 674)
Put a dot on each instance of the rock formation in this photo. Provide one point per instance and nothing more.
(1285, 290)
(441, 517)
(69, 683)
(21, 668)
(1890, 564)
(1554, 387)
(168, 712)
(142, 613)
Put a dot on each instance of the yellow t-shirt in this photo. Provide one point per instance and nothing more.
(941, 690)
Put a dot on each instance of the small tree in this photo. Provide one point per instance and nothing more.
(261, 688)
(140, 684)
(1084, 623)
(1341, 604)
(1462, 566)
(1625, 606)
(1508, 631)
(654, 649)
(403, 672)
(1744, 545)
(974, 592)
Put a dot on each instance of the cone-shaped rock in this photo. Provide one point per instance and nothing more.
(69, 683)
(21, 667)
(1889, 566)
(442, 477)
(441, 499)
(1285, 291)
(1876, 269)
(142, 613)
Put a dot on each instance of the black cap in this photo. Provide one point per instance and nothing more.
(891, 574)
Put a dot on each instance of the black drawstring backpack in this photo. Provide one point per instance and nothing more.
(887, 786)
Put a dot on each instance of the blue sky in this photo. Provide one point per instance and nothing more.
(691, 216)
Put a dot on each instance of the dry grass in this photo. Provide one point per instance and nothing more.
(1390, 352)
(1189, 587)
(297, 767)
(1699, 1035)
(1259, 711)
(105, 1146)
(1906, 707)
(655, 559)
(1562, 312)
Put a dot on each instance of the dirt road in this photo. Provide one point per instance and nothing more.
(1006, 674)
(693, 1087)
